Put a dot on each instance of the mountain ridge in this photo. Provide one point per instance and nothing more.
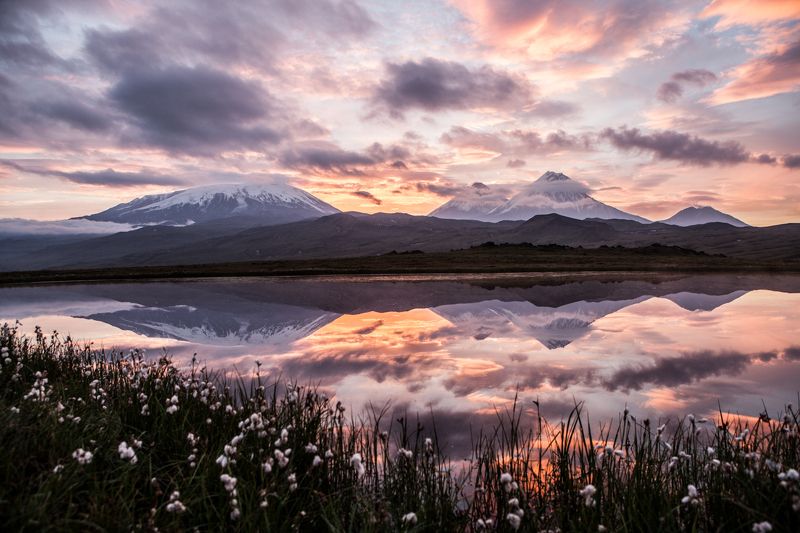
(696, 215)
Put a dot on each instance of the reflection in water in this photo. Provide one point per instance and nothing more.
(664, 345)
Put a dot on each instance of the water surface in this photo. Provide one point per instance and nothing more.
(461, 347)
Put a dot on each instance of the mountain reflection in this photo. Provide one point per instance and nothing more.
(462, 347)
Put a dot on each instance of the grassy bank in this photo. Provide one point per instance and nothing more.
(102, 441)
(488, 258)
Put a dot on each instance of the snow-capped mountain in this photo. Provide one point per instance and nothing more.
(556, 193)
(692, 216)
(271, 203)
(553, 192)
(474, 203)
(553, 327)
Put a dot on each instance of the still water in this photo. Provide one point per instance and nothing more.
(460, 347)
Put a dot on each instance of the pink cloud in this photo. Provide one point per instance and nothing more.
(767, 75)
(573, 30)
(750, 12)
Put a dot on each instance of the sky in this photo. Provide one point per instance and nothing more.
(399, 106)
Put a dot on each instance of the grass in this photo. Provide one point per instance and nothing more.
(205, 452)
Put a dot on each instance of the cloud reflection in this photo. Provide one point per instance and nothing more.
(462, 347)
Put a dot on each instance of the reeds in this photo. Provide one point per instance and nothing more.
(110, 441)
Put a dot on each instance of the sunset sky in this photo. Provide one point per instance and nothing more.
(398, 106)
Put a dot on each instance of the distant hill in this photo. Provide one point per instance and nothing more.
(693, 216)
(360, 235)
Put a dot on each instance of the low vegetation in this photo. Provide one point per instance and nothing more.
(109, 441)
(483, 259)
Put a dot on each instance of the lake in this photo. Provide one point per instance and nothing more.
(459, 347)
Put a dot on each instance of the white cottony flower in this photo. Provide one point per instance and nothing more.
(692, 496)
(513, 520)
(507, 482)
(281, 458)
(175, 505)
(792, 475)
(310, 448)
(228, 481)
(222, 460)
(329, 454)
(762, 527)
(588, 493)
(316, 461)
(83, 457)
(409, 519)
(355, 462)
(126, 452)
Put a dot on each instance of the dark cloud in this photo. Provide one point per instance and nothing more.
(792, 353)
(369, 329)
(673, 371)
(329, 158)
(21, 42)
(434, 85)
(516, 142)
(252, 34)
(74, 113)
(791, 161)
(395, 152)
(195, 110)
(112, 178)
(671, 90)
(108, 177)
(124, 50)
(765, 159)
(515, 163)
(672, 145)
(324, 157)
(439, 189)
(369, 196)
(695, 76)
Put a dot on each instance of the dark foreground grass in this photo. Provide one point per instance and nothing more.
(91, 441)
